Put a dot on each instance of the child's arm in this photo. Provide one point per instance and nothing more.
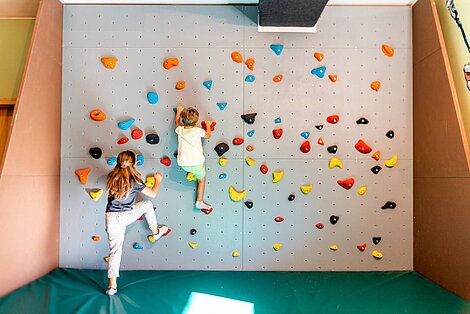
(152, 192)
(179, 109)
(208, 129)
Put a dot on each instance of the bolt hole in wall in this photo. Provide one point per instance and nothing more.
(319, 179)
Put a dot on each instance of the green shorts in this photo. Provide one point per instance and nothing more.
(198, 171)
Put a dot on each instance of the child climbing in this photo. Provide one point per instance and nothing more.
(190, 153)
(122, 186)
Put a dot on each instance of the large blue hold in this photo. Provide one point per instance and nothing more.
(208, 84)
(124, 125)
(320, 72)
(305, 135)
(140, 160)
(249, 78)
(221, 105)
(111, 161)
(277, 49)
(152, 97)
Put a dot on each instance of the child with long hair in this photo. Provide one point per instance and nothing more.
(122, 185)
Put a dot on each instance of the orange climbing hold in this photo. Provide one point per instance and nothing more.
(319, 56)
(109, 63)
(375, 85)
(97, 115)
(388, 50)
(333, 78)
(237, 57)
(180, 85)
(250, 64)
(376, 155)
(320, 141)
(171, 62)
(277, 78)
(250, 148)
(96, 238)
(83, 174)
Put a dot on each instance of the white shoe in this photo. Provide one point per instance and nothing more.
(161, 231)
(111, 291)
(202, 205)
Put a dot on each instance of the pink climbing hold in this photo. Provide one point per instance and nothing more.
(305, 147)
(263, 169)
(237, 141)
(332, 119)
(347, 184)
(166, 161)
(362, 147)
(277, 133)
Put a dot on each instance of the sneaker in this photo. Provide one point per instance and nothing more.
(111, 291)
(202, 205)
(161, 231)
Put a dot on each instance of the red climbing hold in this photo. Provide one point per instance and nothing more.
(237, 141)
(361, 247)
(137, 134)
(305, 147)
(278, 219)
(320, 225)
(207, 211)
(140, 218)
(264, 169)
(166, 233)
(362, 147)
(123, 140)
(166, 161)
(277, 133)
(347, 184)
(213, 124)
(333, 119)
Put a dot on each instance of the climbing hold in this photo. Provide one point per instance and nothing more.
(95, 195)
(175, 154)
(347, 184)
(140, 160)
(305, 147)
(165, 161)
(375, 169)
(95, 238)
(235, 195)
(334, 219)
(193, 231)
(221, 149)
(221, 105)
(277, 120)
(389, 205)
(152, 98)
(388, 50)
(320, 72)
(305, 135)
(332, 119)
(333, 77)
(334, 247)
(109, 63)
(238, 141)
(306, 188)
(152, 138)
(332, 149)
(291, 197)
(95, 152)
(277, 49)
(390, 134)
(376, 254)
(222, 161)
(124, 125)
(375, 85)
(97, 115)
(250, 148)
(249, 204)
(319, 127)
(250, 162)
(376, 240)
(235, 254)
(362, 147)
(111, 161)
(137, 246)
(150, 238)
(277, 133)
(362, 121)
(222, 176)
(207, 211)
(170, 62)
(362, 190)
(208, 84)
(277, 246)
(249, 78)
(250, 133)
(83, 174)
(204, 126)
(277, 78)
(137, 134)
(278, 219)
(191, 177)
(180, 85)
(335, 162)
(376, 155)
(149, 182)
(237, 57)
(320, 225)
(320, 141)
(106, 259)
(141, 217)
(193, 245)
(263, 169)
(319, 56)
(123, 140)
(277, 176)
(390, 163)
(249, 118)
(250, 64)
(362, 247)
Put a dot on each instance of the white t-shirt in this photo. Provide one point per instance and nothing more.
(190, 151)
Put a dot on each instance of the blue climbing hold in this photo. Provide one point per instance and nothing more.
(137, 246)
(124, 125)
(305, 135)
(221, 105)
(174, 109)
(140, 160)
(251, 133)
(208, 84)
(277, 120)
(222, 176)
(249, 78)
(152, 97)
(277, 49)
(320, 72)
(111, 161)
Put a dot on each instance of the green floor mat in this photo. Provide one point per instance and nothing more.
(82, 291)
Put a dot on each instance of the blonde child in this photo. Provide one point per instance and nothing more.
(122, 185)
(190, 153)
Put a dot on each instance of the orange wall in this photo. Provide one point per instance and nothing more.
(29, 183)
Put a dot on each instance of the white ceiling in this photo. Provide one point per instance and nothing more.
(331, 2)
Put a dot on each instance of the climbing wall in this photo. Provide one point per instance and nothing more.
(328, 99)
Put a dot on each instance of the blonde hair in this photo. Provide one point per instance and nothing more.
(189, 116)
(120, 181)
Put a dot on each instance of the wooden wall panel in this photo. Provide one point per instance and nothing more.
(5, 120)
(18, 8)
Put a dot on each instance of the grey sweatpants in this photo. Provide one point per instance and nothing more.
(116, 223)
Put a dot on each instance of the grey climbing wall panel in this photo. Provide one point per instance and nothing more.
(202, 38)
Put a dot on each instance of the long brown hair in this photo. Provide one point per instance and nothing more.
(123, 176)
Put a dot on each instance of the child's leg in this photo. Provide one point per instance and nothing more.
(201, 184)
(116, 232)
(146, 208)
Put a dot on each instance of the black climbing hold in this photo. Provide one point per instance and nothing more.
(332, 149)
(291, 197)
(334, 219)
(152, 138)
(389, 205)
(175, 154)
(221, 149)
(193, 231)
(376, 240)
(362, 121)
(376, 169)
(319, 127)
(249, 118)
(249, 204)
(95, 152)
(390, 134)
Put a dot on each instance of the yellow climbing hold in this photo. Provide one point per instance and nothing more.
(334, 247)
(277, 176)
(236, 254)
(235, 195)
(150, 182)
(193, 245)
(391, 162)
(222, 161)
(250, 161)
(277, 246)
(151, 239)
(335, 162)
(362, 190)
(191, 177)
(376, 254)
(306, 188)
(106, 259)
(95, 195)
